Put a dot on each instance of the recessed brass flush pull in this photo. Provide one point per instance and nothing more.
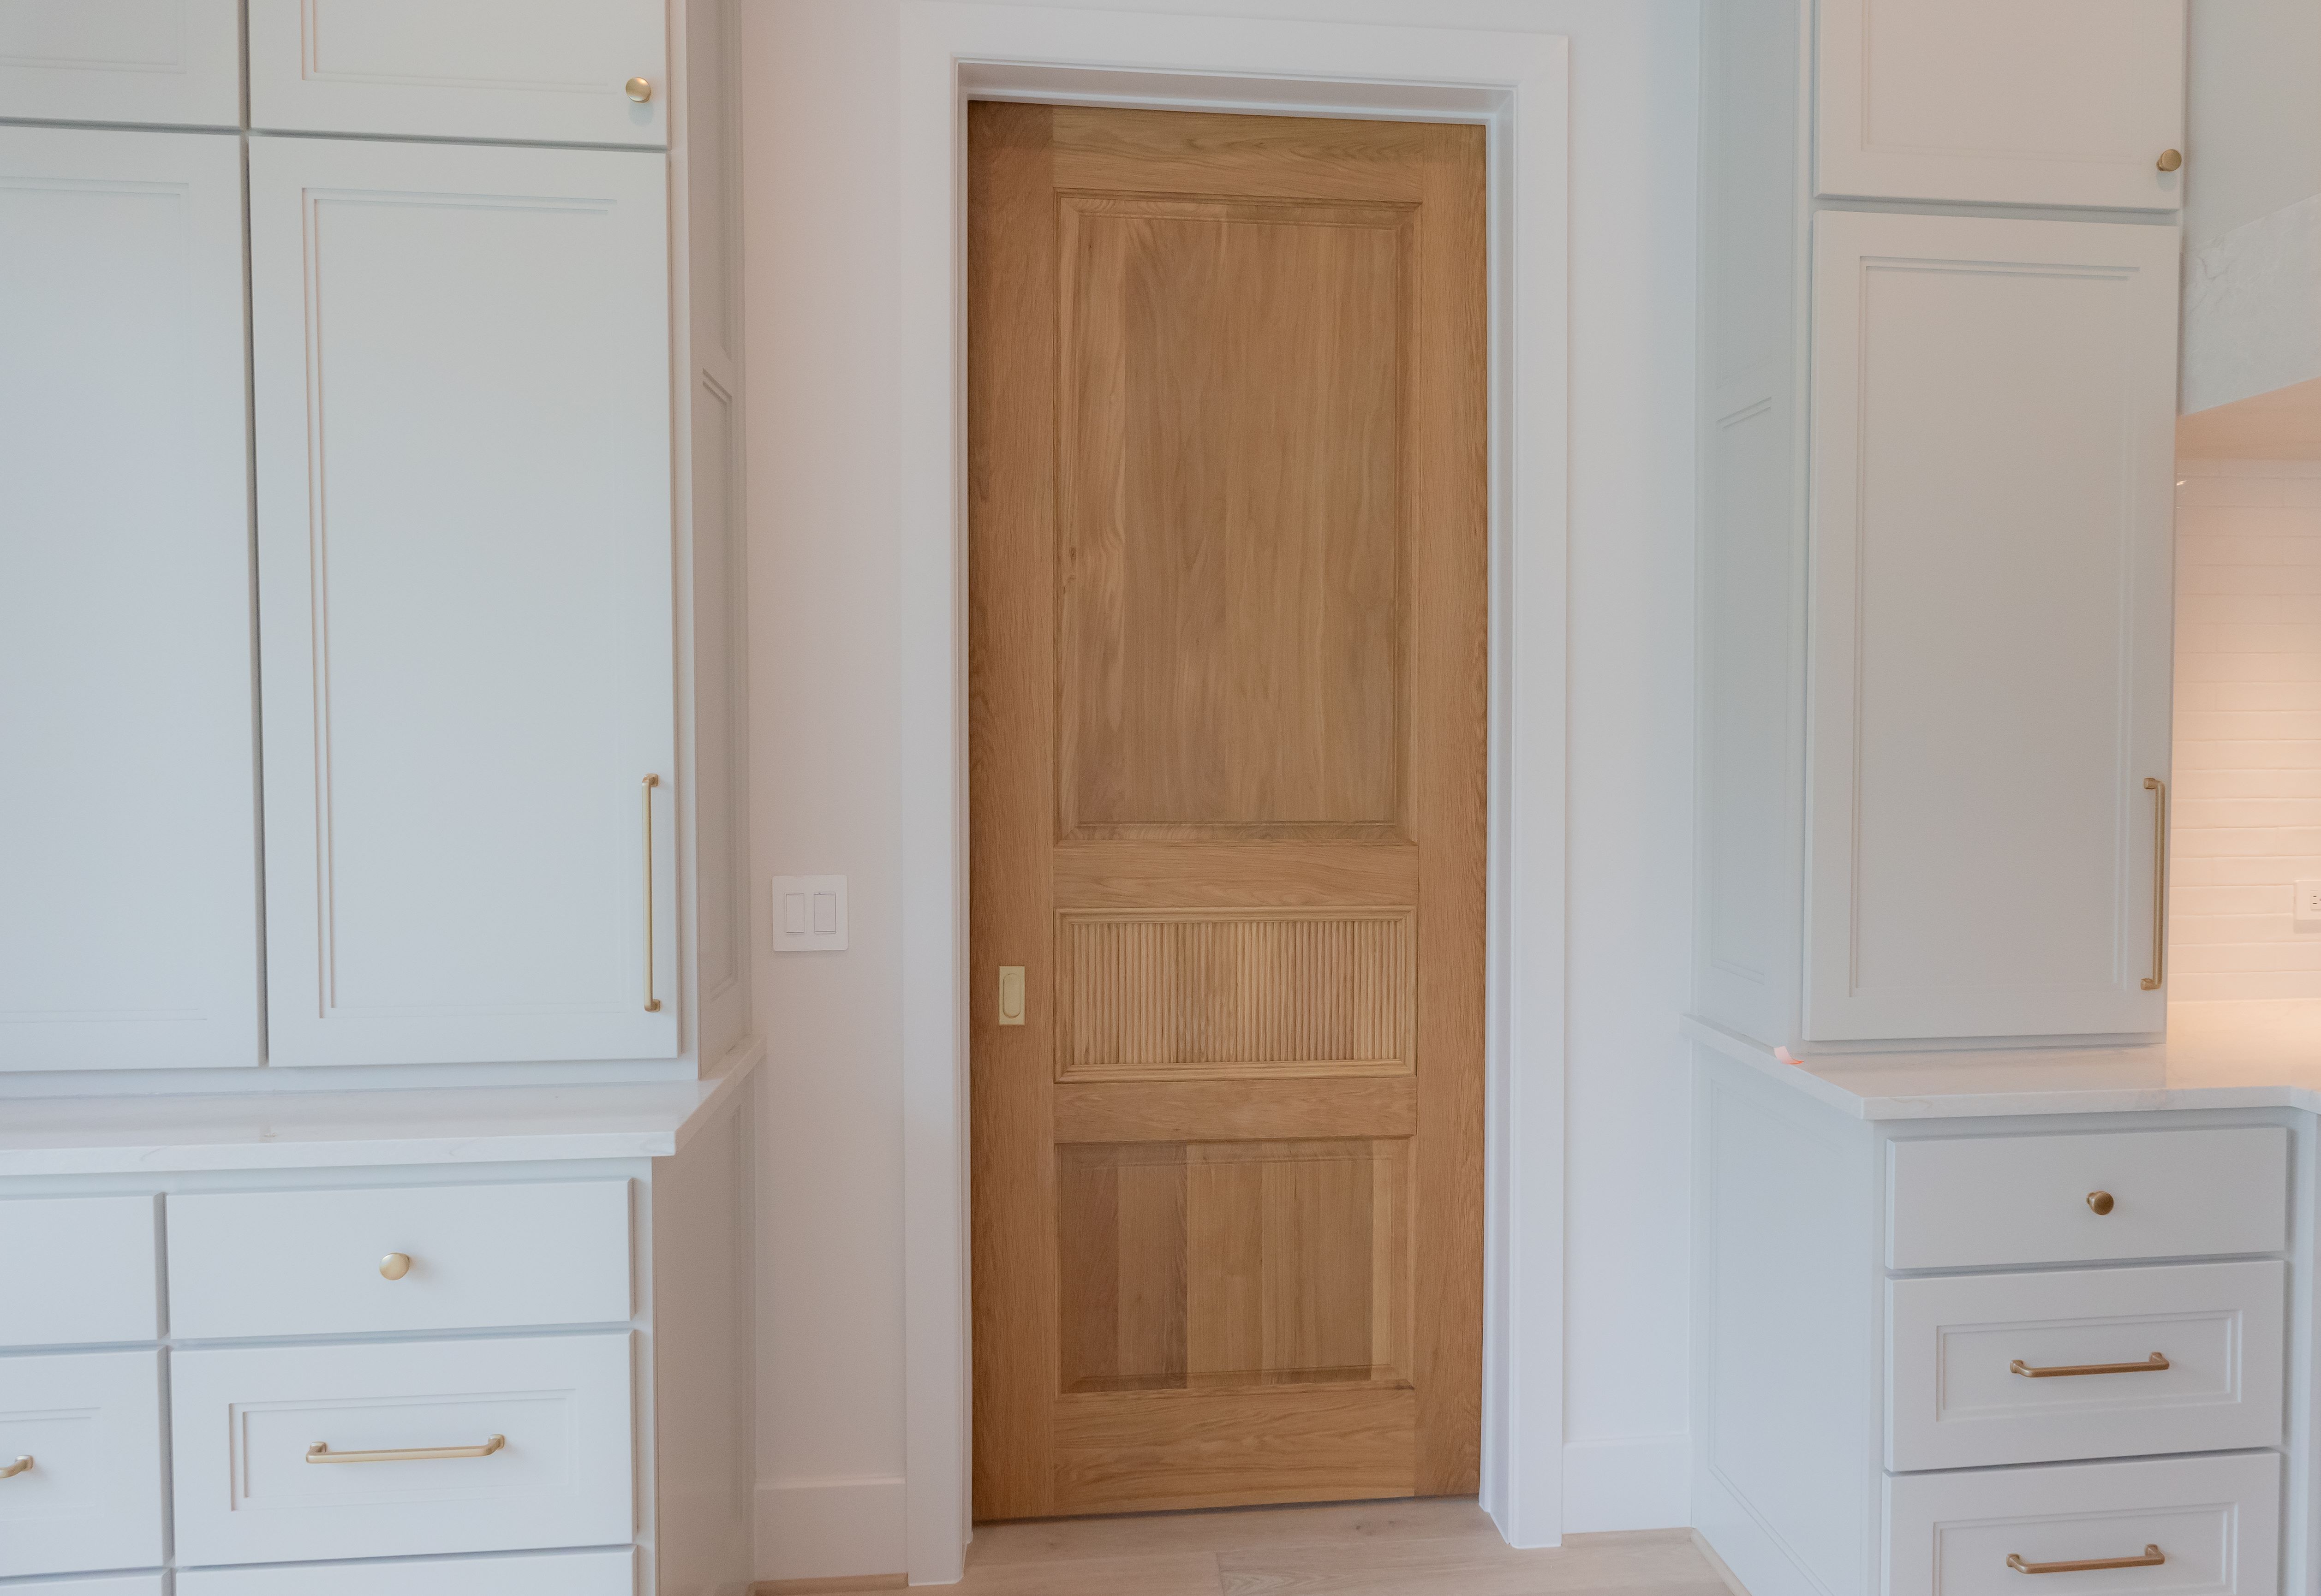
(2152, 1558)
(2153, 1365)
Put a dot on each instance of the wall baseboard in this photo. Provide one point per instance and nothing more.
(829, 1530)
(1631, 1483)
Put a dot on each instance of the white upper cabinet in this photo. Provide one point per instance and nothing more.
(551, 71)
(2049, 102)
(127, 822)
(1992, 493)
(174, 62)
(465, 563)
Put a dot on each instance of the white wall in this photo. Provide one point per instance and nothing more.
(2247, 822)
(820, 112)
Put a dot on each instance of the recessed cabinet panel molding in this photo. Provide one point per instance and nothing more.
(288, 1454)
(168, 62)
(127, 822)
(1991, 602)
(1986, 1369)
(545, 1574)
(370, 1261)
(466, 569)
(77, 1270)
(2063, 103)
(551, 71)
(90, 1496)
(2205, 1524)
(1996, 1201)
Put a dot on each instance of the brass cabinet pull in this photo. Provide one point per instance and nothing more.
(2099, 1202)
(653, 1003)
(2159, 791)
(640, 89)
(9, 1470)
(2152, 1558)
(320, 1453)
(2154, 1364)
(2170, 159)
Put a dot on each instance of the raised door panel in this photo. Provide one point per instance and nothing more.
(128, 826)
(80, 1438)
(171, 62)
(1991, 602)
(465, 561)
(2063, 103)
(540, 70)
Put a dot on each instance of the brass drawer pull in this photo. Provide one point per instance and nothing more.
(9, 1470)
(652, 1002)
(2152, 1558)
(320, 1453)
(2151, 1365)
(2159, 791)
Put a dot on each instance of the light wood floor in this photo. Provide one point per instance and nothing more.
(1437, 1548)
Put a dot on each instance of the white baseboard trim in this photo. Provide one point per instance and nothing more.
(1631, 1483)
(811, 1529)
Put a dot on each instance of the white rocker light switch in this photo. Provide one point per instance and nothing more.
(809, 913)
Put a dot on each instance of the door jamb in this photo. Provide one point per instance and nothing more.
(1517, 86)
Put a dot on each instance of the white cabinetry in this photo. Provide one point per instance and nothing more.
(551, 71)
(81, 1434)
(464, 575)
(1935, 538)
(2060, 102)
(127, 824)
(167, 62)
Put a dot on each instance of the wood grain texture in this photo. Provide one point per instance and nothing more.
(1227, 610)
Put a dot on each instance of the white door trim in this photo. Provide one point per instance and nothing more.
(1517, 85)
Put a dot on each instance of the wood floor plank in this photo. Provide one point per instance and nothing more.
(1471, 1565)
(1177, 1574)
(1229, 1530)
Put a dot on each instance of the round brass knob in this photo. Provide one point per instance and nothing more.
(2100, 1201)
(2170, 159)
(641, 91)
(396, 1266)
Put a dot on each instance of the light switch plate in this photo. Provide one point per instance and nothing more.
(809, 913)
(2308, 906)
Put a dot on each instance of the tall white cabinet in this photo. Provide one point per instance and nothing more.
(1935, 536)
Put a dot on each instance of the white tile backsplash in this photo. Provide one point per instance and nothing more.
(2247, 786)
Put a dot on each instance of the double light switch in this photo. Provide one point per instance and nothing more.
(809, 913)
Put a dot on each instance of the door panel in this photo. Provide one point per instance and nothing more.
(465, 560)
(2064, 103)
(1991, 593)
(171, 62)
(1227, 577)
(129, 833)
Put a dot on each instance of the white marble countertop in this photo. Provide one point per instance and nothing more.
(338, 1130)
(2216, 1056)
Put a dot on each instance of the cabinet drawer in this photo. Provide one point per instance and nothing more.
(1983, 1202)
(91, 1423)
(2216, 1520)
(245, 1423)
(550, 1573)
(77, 1270)
(481, 1257)
(1955, 1399)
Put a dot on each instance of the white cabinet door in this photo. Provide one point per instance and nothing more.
(1992, 506)
(464, 553)
(545, 70)
(174, 62)
(2061, 102)
(128, 820)
(81, 1433)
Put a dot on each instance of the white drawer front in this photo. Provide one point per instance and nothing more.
(1986, 1201)
(111, 1585)
(91, 1423)
(244, 1420)
(2215, 1519)
(77, 1270)
(549, 1574)
(250, 1264)
(1954, 1399)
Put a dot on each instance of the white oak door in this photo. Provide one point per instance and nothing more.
(1992, 505)
(174, 62)
(127, 822)
(2060, 102)
(465, 557)
(553, 71)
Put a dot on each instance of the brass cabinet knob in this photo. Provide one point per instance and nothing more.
(396, 1266)
(2100, 1201)
(641, 91)
(2170, 159)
